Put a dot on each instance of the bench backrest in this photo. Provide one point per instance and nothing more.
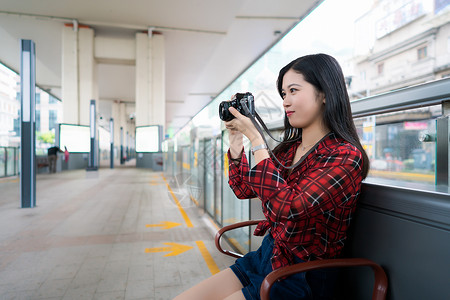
(407, 232)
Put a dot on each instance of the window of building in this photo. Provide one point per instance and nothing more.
(38, 98)
(38, 120)
(16, 126)
(380, 68)
(52, 100)
(52, 116)
(422, 53)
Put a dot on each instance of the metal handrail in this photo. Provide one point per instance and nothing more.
(422, 95)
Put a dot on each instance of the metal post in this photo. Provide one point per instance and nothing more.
(121, 146)
(111, 132)
(6, 162)
(28, 125)
(92, 166)
(126, 151)
(442, 155)
(57, 137)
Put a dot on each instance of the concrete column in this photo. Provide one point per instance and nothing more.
(150, 80)
(143, 80)
(86, 70)
(119, 114)
(123, 116)
(78, 78)
(159, 81)
(123, 124)
(115, 114)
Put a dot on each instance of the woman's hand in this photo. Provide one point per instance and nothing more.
(243, 125)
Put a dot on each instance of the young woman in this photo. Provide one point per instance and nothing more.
(308, 209)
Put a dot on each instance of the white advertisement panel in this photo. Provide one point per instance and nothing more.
(147, 139)
(75, 137)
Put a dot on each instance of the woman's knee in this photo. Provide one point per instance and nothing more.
(218, 286)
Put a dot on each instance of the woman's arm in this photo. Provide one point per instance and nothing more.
(238, 164)
(236, 173)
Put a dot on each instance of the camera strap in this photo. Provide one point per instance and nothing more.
(249, 114)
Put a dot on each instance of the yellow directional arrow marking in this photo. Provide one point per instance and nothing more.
(164, 225)
(174, 249)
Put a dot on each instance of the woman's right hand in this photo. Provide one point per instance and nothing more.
(236, 140)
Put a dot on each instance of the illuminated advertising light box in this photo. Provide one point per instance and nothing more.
(77, 138)
(148, 138)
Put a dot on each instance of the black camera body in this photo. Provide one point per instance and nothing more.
(237, 102)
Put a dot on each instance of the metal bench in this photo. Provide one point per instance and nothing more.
(380, 282)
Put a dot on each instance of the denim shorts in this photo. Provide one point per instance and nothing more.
(254, 266)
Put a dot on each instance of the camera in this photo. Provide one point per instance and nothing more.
(236, 102)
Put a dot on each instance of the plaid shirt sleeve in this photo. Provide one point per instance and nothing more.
(240, 188)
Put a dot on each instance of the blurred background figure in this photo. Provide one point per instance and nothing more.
(66, 154)
(52, 158)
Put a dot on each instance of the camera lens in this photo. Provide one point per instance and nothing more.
(224, 113)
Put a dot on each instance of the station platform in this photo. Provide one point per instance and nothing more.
(110, 234)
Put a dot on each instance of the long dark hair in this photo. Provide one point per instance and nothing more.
(325, 74)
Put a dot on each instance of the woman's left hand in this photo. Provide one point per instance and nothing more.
(242, 124)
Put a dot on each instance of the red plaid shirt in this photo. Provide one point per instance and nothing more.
(308, 211)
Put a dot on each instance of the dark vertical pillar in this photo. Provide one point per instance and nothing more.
(442, 141)
(92, 154)
(6, 162)
(127, 149)
(121, 146)
(111, 132)
(27, 132)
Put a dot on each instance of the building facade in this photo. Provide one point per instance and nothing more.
(400, 43)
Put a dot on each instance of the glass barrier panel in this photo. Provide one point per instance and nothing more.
(10, 170)
(218, 181)
(401, 145)
(179, 161)
(209, 176)
(194, 187)
(201, 173)
(17, 160)
(182, 182)
(169, 160)
(234, 210)
(2, 162)
(189, 177)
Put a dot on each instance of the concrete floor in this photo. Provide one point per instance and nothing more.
(88, 238)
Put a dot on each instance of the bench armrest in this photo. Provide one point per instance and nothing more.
(380, 284)
(231, 227)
